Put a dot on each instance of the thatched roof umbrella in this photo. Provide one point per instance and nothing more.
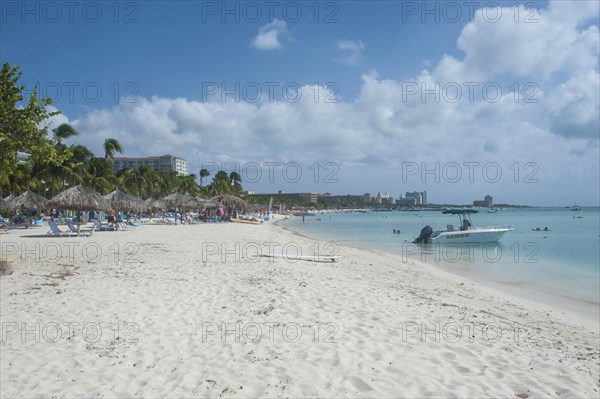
(197, 203)
(4, 204)
(231, 202)
(152, 203)
(79, 198)
(212, 204)
(201, 203)
(28, 200)
(177, 200)
(124, 201)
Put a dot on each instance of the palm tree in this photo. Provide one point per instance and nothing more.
(72, 172)
(64, 131)
(82, 154)
(135, 181)
(220, 186)
(111, 147)
(235, 177)
(236, 182)
(187, 184)
(222, 175)
(203, 173)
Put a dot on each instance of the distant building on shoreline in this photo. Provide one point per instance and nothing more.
(163, 163)
(384, 198)
(486, 203)
(415, 198)
(281, 196)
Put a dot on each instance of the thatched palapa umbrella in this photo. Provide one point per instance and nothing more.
(231, 202)
(205, 203)
(212, 204)
(177, 200)
(28, 200)
(4, 204)
(79, 198)
(124, 201)
(152, 203)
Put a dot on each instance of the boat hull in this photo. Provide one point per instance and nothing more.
(469, 236)
(246, 221)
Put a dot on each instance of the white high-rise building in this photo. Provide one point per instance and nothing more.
(415, 198)
(163, 163)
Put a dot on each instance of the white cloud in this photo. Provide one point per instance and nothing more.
(350, 51)
(556, 52)
(374, 133)
(370, 136)
(536, 49)
(269, 36)
(574, 107)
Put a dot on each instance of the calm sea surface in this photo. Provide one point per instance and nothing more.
(560, 266)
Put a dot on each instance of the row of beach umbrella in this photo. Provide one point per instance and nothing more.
(85, 198)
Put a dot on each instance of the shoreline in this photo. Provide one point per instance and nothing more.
(370, 325)
(585, 310)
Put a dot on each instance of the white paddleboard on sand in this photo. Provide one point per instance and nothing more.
(310, 258)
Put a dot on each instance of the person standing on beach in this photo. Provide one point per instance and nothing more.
(110, 216)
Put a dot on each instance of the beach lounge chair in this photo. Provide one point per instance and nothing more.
(122, 226)
(102, 226)
(56, 231)
(72, 228)
(89, 232)
(84, 232)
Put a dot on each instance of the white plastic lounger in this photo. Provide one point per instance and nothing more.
(122, 226)
(102, 226)
(84, 232)
(56, 231)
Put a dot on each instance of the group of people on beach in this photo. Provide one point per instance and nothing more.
(22, 218)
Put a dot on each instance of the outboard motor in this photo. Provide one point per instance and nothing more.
(425, 234)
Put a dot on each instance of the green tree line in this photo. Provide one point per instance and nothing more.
(53, 166)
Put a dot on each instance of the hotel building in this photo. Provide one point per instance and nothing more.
(163, 163)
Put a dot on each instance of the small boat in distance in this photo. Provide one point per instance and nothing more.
(467, 233)
(575, 207)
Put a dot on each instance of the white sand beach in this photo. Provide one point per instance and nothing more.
(189, 311)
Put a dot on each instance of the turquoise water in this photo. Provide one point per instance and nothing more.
(560, 266)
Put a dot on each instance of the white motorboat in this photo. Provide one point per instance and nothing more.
(466, 233)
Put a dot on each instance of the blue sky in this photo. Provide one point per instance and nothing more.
(148, 74)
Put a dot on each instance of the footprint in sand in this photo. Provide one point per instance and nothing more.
(360, 384)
